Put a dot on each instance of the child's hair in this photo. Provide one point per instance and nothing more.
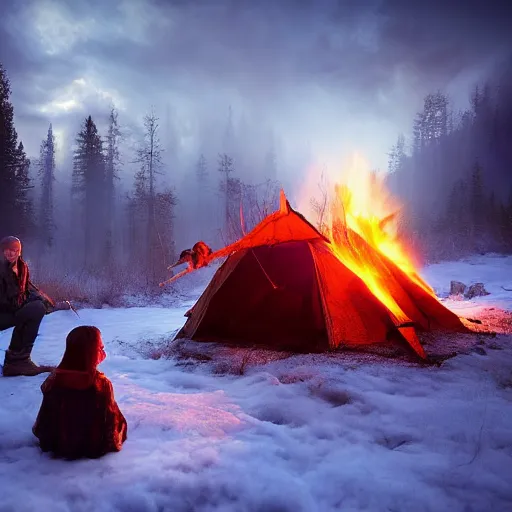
(82, 347)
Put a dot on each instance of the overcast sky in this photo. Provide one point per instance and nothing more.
(330, 76)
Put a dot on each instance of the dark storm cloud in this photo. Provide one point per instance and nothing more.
(375, 58)
(258, 47)
(353, 44)
(441, 38)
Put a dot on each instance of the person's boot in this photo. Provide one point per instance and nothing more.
(20, 363)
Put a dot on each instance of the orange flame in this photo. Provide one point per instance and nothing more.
(361, 215)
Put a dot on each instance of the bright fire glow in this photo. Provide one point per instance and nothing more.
(361, 215)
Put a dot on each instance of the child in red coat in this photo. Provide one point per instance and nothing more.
(79, 416)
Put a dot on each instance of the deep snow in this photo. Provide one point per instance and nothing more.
(305, 433)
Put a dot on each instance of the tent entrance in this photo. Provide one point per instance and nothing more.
(271, 298)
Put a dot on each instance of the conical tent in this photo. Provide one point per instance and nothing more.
(282, 285)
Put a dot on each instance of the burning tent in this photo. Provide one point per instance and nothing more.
(287, 286)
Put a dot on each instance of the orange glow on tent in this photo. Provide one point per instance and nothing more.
(362, 215)
(287, 284)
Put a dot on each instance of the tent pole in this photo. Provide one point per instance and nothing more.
(263, 270)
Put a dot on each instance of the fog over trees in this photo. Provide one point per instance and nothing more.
(453, 172)
(120, 204)
(106, 216)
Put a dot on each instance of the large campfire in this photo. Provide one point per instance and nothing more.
(359, 230)
(361, 221)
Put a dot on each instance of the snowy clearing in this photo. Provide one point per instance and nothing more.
(304, 433)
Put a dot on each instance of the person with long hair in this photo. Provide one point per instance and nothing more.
(79, 416)
(22, 306)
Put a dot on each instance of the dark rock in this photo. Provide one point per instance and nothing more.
(480, 351)
(457, 288)
(476, 290)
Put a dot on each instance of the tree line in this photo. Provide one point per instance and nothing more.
(98, 228)
(454, 174)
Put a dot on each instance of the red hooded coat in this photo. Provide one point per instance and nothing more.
(79, 416)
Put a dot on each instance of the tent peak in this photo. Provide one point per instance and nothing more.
(284, 205)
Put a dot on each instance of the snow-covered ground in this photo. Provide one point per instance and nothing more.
(306, 433)
(495, 271)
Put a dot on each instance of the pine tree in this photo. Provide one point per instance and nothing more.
(161, 255)
(141, 188)
(157, 258)
(89, 186)
(23, 203)
(138, 220)
(397, 155)
(165, 203)
(417, 130)
(434, 118)
(226, 169)
(130, 240)
(477, 204)
(8, 140)
(201, 171)
(441, 116)
(15, 207)
(445, 149)
(234, 196)
(149, 156)
(46, 171)
(112, 161)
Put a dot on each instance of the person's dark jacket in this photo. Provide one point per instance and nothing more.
(79, 416)
(17, 290)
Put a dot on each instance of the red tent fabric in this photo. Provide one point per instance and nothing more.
(282, 285)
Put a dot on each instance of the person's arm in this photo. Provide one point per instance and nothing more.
(34, 290)
(50, 304)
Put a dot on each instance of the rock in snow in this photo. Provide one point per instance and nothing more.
(457, 288)
(476, 290)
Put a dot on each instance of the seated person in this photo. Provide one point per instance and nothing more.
(22, 306)
(79, 416)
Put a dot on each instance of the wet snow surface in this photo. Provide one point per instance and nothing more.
(240, 430)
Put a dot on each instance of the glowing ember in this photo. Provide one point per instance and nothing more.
(360, 215)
